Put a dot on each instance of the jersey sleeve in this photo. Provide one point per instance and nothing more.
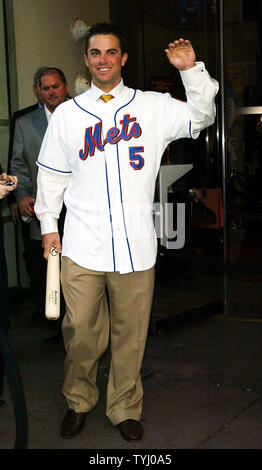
(54, 155)
(187, 119)
(54, 173)
(49, 199)
(201, 91)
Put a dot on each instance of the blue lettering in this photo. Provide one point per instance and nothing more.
(93, 141)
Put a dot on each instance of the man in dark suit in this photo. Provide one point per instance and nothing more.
(28, 135)
(11, 198)
(4, 299)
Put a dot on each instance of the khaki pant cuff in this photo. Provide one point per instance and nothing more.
(117, 417)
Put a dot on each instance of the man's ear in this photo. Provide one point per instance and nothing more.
(86, 60)
(34, 90)
(124, 59)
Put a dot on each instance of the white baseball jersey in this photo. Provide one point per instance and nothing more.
(104, 160)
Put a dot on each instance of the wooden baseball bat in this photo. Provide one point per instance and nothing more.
(52, 301)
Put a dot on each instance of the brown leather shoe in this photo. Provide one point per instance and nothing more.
(72, 424)
(131, 429)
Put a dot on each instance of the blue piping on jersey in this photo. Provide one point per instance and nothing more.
(190, 130)
(54, 169)
(88, 112)
(110, 215)
(120, 185)
(107, 187)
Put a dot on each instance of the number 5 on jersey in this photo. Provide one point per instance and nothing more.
(136, 160)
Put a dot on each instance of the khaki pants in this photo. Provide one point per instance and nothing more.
(86, 328)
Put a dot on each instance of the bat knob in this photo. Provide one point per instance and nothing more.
(54, 251)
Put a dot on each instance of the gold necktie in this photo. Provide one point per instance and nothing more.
(106, 98)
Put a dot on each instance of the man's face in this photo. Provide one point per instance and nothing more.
(53, 90)
(105, 60)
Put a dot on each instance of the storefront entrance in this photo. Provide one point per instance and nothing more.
(219, 267)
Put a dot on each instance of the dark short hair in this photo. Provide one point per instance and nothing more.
(37, 74)
(106, 28)
(51, 71)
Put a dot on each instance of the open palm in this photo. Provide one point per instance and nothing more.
(181, 54)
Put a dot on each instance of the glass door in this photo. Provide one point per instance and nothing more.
(189, 279)
(9, 233)
(242, 75)
(17, 275)
(4, 105)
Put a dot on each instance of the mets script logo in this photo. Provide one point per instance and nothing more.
(130, 129)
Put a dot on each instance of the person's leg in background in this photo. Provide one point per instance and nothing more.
(38, 283)
(4, 307)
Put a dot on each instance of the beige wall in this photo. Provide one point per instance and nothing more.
(43, 37)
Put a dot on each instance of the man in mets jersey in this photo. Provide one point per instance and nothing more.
(101, 157)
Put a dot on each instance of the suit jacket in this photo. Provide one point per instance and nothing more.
(21, 112)
(16, 115)
(28, 136)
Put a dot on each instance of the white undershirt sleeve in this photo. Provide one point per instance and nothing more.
(49, 199)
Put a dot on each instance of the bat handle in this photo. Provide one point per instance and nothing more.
(52, 304)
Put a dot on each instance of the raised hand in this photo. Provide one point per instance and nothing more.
(181, 54)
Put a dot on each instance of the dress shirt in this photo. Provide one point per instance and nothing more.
(47, 113)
